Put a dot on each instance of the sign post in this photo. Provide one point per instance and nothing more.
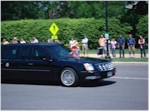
(106, 34)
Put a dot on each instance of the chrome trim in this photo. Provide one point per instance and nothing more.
(34, 70)
(92, 77)
(104, 66)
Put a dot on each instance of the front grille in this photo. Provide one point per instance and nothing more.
(104, 66)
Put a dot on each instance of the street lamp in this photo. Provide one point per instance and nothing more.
(106, 34)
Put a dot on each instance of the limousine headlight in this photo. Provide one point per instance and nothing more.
(88, 67)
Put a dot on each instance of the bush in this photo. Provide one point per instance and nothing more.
(68, 28)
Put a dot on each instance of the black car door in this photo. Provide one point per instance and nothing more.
(38, 66)
(24, 58)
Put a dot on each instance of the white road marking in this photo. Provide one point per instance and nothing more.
(130, 78)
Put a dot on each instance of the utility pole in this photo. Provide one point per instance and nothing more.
(106, 34)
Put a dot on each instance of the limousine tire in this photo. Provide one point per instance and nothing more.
(69, 77)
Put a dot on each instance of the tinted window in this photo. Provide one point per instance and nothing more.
(58, 51)
(38, 54)
(10, 52)
(25, 52)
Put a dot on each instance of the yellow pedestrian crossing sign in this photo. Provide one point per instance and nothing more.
(53, 29)
(54, 37)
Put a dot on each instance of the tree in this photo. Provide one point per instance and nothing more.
(134, 11)
(142, 26)
(15, 10)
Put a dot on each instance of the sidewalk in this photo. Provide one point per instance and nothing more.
(117, 55)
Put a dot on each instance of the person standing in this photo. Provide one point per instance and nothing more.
(141, 42)
(22, 41)
(113, 47)
(57, 41)
(44, 41)
(32, 40)
(121, 45)
(35, 40)
(77, 45)
(85, 45)
(14, 40)
(102, 44)
(4, 41)
(50, 40)
(72, 42)
(131, 45)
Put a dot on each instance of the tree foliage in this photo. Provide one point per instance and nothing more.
(142, 26)
(134, 12)
(14, 10)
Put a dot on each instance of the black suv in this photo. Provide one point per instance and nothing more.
(50, 62)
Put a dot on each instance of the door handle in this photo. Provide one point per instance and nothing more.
(30, 64)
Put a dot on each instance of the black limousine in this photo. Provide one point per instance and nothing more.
(50, 62)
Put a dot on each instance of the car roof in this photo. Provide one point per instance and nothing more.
(32, 44)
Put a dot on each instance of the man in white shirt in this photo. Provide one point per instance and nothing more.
(35, 40)
(85, 45)
(113, 47)
(72, 42)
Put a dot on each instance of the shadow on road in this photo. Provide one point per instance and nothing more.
(29, 82)
(52, 83)
(96, 83)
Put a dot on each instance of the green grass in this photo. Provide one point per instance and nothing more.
(137, 51)
(126, 59)
(130, 60)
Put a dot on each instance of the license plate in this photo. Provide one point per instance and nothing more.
(109, 74)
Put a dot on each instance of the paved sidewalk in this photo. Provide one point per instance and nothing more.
(117, 55)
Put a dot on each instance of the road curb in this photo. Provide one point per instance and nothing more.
(131, 62)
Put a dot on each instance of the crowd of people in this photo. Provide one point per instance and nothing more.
(32, 40)
(120, 44)
(112, 45)
(102, 49)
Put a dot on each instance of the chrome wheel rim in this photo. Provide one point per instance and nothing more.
(67, 77)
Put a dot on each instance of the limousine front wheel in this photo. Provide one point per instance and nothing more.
(69, 77)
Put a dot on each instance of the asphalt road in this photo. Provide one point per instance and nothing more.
(128, 90)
